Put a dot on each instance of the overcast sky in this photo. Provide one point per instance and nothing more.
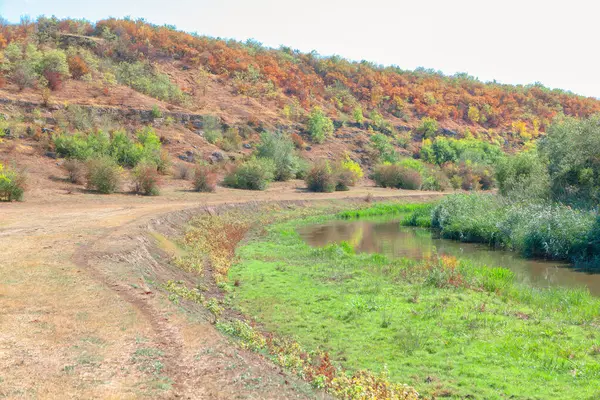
(526, 41)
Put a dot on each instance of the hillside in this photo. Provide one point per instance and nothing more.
(246, 83)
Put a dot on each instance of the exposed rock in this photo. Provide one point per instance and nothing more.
(217, 156)
(247, 146)
(51, 154)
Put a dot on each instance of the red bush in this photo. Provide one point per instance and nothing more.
(54, 80)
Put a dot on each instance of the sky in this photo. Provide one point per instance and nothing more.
(518, 42)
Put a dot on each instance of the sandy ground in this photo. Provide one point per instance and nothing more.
(77, 319)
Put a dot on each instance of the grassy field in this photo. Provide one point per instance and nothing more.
(444, 326)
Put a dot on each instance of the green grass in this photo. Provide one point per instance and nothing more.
(446, 331)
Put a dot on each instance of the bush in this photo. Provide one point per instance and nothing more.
(103, 175)
(298, 141)
(205, 179)
(353, 170)
(343, 180)
(81, 147)
(523, 175)
(231, 140)
(254, 174)
(75, 171)
(320, 178)
(143, 78)
(435, 180)
(319, 125)
(396, 176)
(77, 67)
(428, 127)
(182, 171)
(155, 112)
(164, 162)
(12, 184)
(279, 148)
(383, 148)
(146, 179)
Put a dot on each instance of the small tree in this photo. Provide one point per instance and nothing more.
(319, 125)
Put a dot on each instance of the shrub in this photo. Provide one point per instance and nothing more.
(231, 140)
(428, 127)
(75, 170)
(146, 179)
(383, 148)
(434, 179)
(82, 147)
(319, 125)
(103, 175)
(143, 78)
(298, 141)
(396, 176)
(279, 148)
(320, 178)
(254, 174)
(353, 170)
(343, 180)
(182, 171)
(164, 162)
(12, 184)
(77, 67)
(213, 136)
(205, 179)
(124, 151)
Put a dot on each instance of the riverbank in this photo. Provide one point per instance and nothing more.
(442, 325)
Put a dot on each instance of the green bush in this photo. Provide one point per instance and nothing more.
(146, 179)
(143, 78)
(428, 127)
(319, 125)
(120, 147)
(12, 184)
(397, 176)
(383, 148)
(231, 140)
(81, 147)
(321, 178)
(205, 179)
(442, 150)
(103, 175)
(279, 148)
(254, 174)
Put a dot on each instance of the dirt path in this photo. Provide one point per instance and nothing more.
(77, 319)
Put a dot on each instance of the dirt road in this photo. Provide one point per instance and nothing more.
(78, 319)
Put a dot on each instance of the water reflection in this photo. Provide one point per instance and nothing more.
(394, 240)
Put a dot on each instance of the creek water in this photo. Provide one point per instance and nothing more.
(392, 239)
